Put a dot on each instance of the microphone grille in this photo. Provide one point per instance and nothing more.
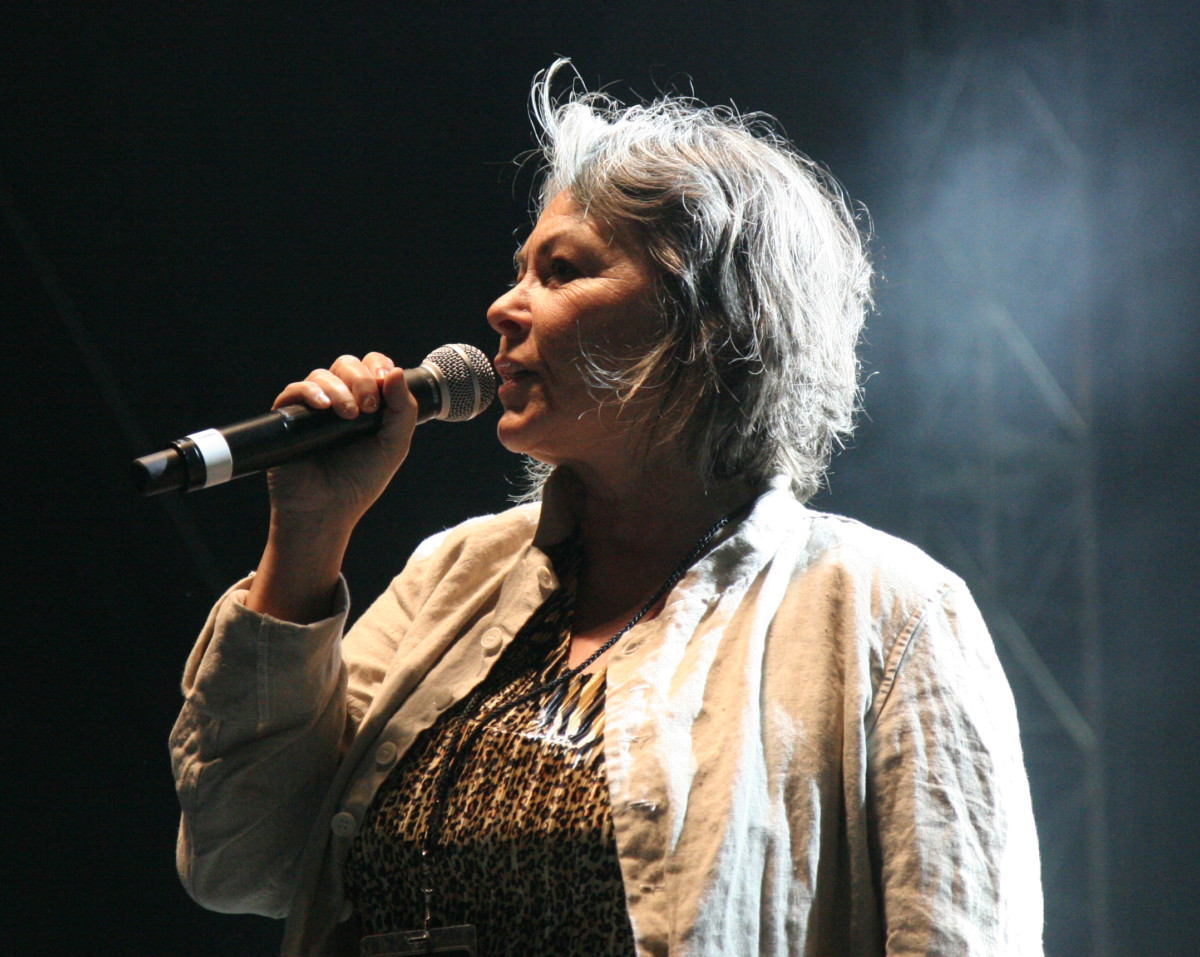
(469, 379)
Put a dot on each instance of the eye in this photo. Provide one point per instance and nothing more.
(563, 270)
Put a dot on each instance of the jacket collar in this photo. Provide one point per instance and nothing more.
(562, 502)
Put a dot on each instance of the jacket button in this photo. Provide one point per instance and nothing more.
(343, 824)
(443, 700)
(545, 577)
(492, 639)
(385, 754)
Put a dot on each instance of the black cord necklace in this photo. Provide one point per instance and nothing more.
(464, 745)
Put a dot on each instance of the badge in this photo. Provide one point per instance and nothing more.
(456, 941)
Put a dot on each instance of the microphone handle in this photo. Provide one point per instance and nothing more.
(214, 456)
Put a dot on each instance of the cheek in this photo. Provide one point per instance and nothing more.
(624, 335)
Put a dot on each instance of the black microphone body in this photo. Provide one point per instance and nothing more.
(454, 383)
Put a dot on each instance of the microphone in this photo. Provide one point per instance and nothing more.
(454, 383)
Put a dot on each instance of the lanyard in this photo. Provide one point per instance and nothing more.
(448, 773)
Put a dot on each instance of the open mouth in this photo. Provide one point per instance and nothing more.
(510, 372)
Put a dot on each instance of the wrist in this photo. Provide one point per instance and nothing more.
(298, 574)
(309, 531)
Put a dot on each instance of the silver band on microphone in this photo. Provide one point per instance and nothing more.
(216, 455)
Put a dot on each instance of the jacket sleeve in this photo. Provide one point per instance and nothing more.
(270, 710)
(254, 750)
(948, 796)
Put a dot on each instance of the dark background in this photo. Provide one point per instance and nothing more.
(203, 201)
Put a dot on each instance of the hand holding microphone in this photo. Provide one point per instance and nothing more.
(331, 444)
(454, 383)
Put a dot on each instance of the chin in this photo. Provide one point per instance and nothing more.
(520, 439)
(515, 434)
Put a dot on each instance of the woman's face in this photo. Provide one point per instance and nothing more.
(580, 285)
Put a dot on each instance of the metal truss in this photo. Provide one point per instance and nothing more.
(1001, 438)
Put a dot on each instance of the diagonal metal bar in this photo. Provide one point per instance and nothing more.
(106, 383)
(1009, 630)
(1047, 121)
(1053, 394)
(938, 121)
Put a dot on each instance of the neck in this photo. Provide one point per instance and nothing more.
(635, 530)
(650, 519)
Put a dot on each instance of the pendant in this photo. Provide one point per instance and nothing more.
(457, 941)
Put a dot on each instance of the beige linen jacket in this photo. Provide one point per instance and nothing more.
(812, 749)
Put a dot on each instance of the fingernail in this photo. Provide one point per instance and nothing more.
(321, 399)
(369, 403)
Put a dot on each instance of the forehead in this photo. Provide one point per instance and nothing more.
(564, 219)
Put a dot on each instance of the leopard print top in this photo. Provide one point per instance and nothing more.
(525, 850)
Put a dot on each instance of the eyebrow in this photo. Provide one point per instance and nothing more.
(519, 255)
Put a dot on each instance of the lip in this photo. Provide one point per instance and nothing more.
(509, 371)
(511, 374)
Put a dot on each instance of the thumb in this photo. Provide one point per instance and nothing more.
(400, 410)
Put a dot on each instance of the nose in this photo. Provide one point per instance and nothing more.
(508, 315)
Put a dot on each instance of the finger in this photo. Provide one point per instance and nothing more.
(396, 393)
(342, 398)
(303, 393)
(378, 365)
(361, 381)
(400, 417)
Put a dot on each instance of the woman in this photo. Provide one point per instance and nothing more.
(666, 709)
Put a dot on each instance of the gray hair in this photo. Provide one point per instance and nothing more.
(764, 277)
